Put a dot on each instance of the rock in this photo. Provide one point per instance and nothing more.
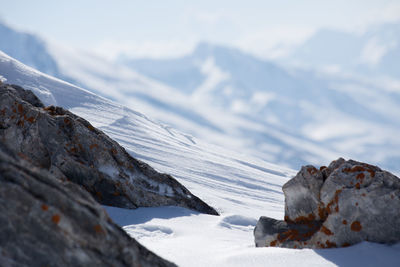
(335, 206)
(72, 149)
(47, 222)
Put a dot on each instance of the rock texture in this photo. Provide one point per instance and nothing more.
(47, 222)
(73, 150)
(336, 206)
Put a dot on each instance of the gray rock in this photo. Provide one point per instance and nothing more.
(341, 205)
(72, 149)
(47, 222)
(302, 194)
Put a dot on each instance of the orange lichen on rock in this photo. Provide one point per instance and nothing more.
(344, 222)
(330, 244)
(273, 243)
(360, 176)
(56, 218)
(45, 207)
(94, 146)
(346, 244)
(322, 213)
(334, 201)
(325, 230)
(114, 151)
(322, 168)
(291, 234)
(356, 226)
(20, 108)
(98, 229)
(304, 219)
(359, 168)
(371, 172)
(312, 170)
(90, 127)
(31, 119)
(358, 185)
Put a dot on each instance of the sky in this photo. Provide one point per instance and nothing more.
(171, 28)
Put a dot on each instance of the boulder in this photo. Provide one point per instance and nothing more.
(47, 222)
(335, 206)
(73, 150)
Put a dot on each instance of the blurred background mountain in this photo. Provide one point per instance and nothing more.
(290, 84)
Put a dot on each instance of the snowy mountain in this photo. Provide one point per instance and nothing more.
(182, 111)
(241, 188)
(227, 97)
(340, 113)
(376, 51)
(30, 49)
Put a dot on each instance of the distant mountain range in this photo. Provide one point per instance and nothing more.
(281, 114)
(376, 51)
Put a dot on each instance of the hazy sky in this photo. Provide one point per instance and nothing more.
(168, 28)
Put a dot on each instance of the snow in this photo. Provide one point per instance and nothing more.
(261, 105)
(240, 187)
(192, 239)
(223, 96)
(193, 110)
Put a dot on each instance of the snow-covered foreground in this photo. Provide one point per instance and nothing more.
(239, 187)
(191, 239)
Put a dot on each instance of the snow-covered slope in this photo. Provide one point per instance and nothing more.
(188, 159)
(240, 187)
(227, 97)
(192, 114)
(195, 113)
(346, 115)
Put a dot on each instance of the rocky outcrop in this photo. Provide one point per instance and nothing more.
(47, 222)
(336, 206)
(73, 150)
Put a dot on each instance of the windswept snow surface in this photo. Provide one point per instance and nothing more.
(241, 188)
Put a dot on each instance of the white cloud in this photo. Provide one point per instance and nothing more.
(148, 49)
(276, 41)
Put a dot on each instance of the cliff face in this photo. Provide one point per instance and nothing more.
(71, 149)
